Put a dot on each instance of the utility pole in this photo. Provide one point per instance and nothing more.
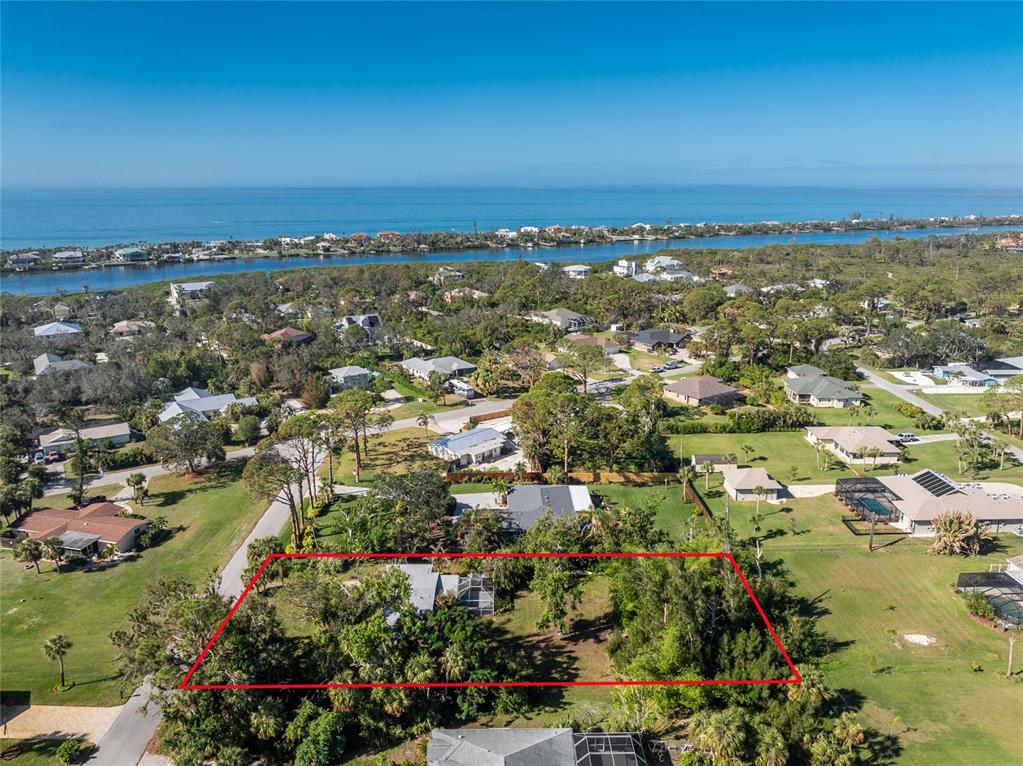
(1012, 646)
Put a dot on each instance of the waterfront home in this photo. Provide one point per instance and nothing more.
(68, 258)
(130, 255)
(351, 376)
(658, 340)
(857, 445)
(912, 501)
(564, 319)
(445, 274)
(82, 531)
(964, 375)
(445, 366)
(519, 746)
(577, 271)
(132, 328)
(742, 484)
(56, 329)
(21, 260)
(200, 403)
(644, 277)
(60, 439)
(606, 345)
(61, 311)
(478, 445)
(702, 390)
(807, 385)
(624, 268)
(287, 337)
(52, 363)
(183, 293)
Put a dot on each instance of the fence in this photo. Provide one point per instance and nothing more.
(614, 477)
(475, 420)
(482, 477)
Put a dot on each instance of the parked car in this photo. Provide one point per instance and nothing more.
(656, 369)
(52, 456)
(907, 437)
(39, 457)
(671, 365)
(94, 499)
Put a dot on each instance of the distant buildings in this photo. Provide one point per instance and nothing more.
(52, 363)
(130, 255)
(577, 271)
(68, 258)
(445, 274)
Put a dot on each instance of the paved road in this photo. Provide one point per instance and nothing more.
(902, 392)
(57, 483)
(129, 734)
(452, 421)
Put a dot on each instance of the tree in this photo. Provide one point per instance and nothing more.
(55, 648)
(247, 431)
(500, 488)
(958, 533)
(81, 461)
(437, 385)
(53, 549)
(269, 475)
(720, 733)
(352, 407)
(760, 492)
(137, 482)
(708, 468)
(583, 360)
(423, 421)
(184, 442)
(315, 393)
(302, 441)
(29, 551)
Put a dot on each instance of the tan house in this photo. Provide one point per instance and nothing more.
(287, 337)
(606, 345)
(857, 445)
(702, 390)
(741, 484)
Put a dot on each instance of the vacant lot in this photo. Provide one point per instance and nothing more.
(390, 452)
(209, 515)
(883, 404)
(967, 405)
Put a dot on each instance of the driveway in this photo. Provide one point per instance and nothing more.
(901, 391)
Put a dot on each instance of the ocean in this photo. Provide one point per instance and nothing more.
(96, 217)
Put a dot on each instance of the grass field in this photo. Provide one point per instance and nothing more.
(39, 752)
(885, 406)
(672, 516)
(210, 516)
(776, 452)
(414, 407)
(941, 456)
(390, 451)
(967, 405)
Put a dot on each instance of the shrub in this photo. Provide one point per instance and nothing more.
(67, 751)
(979, 606)
(129, 457)
(927, 422)
(909, 410)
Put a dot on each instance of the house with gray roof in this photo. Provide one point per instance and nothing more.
(474, 591)
(1003, 368)
(53, 363)
(964, 375)
(56, 329)
(654, 339)
(350, 376)
(445, 366)
(200, 403)
(564, 319)
(533, 747)
(702, 390)
(478, 445)
(526, 504)
(183, 293)
(815, 389)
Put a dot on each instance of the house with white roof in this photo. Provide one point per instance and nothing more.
(741, 484)
(52, 363)
(130, 254)
(183, 293)
(350, 376)
(577, 271)
(478, 445)
(661, 263)
(964, 375)
(624, 268)
(61, 439)
(200, 403)
(857, 445)
(68, 258)
(56, 329)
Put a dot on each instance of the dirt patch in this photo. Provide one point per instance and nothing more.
(919, 639)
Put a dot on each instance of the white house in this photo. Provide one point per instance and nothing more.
(742, 483)
(662, 263)
(857, 445)
(182, 293)
(61, 438)
(624, 268)
(199, 403)
(68, 258)
(350, 376)
(130, 254)
(445, 366)
(577, 271)
(479, 445)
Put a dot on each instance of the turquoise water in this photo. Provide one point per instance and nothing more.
(92, 217)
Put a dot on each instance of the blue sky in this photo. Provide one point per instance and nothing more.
(239, 94)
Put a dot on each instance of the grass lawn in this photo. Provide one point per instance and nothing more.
(941, 456)
(390, 451)
(210, 515)
(36, 752)
(413, 407)
(884, 403)
(64, 501)
(776, 452)
(965, 404)
(672, 514)
(645, 360)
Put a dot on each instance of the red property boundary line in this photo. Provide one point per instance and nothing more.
(796, 678)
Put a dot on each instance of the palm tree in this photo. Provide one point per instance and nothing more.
(500, 488)
(707, 467)
(137, 482)
(454, 662)
(848, 731)
(772, 750)
(747, 451)
(423, 421)
(29, 551)
(55, 648)
(53, 549)
(958, 533)
(722, 734)
(760, 492)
